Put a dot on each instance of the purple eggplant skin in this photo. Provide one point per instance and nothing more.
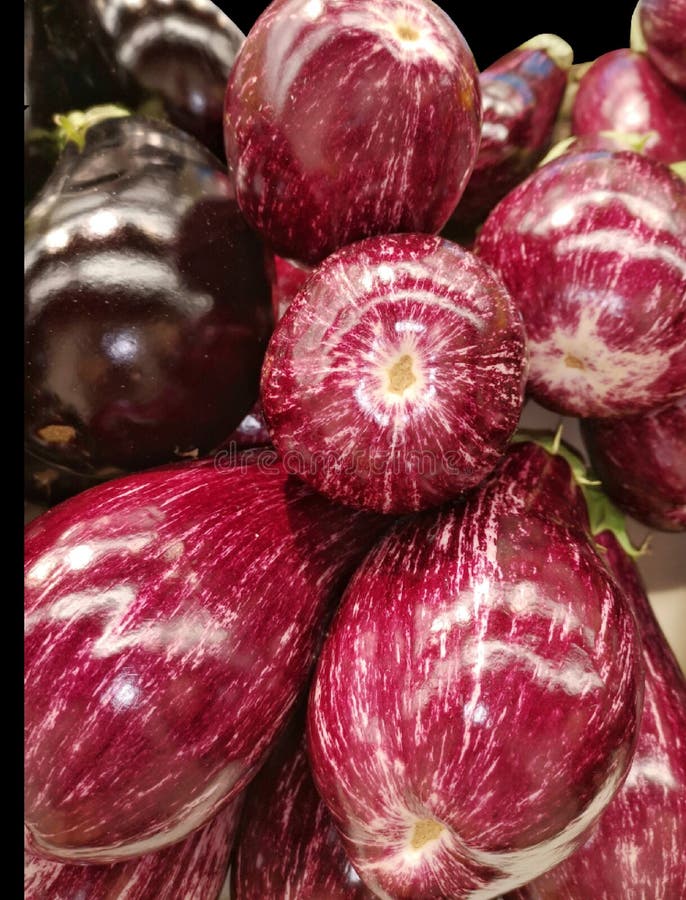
(288, 845)
(592, 247)
(192, 869)
(476, 702)
(396, 377)
(663, 26)
(147, 308)
(636, 851)
(172, 619)
(623, 91)
(641, 462)
(521, 94)
(181, 52)
(348, 120)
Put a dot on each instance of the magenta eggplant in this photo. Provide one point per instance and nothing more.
(641, 461)
(193, 869)
(346, 120)
(289, 276)
(663, 27)
(476, 702)
(636, 851)
(623, 91)
(396, 377)
(171, 622)
(521, 95)
(288, 845)
(592, 247)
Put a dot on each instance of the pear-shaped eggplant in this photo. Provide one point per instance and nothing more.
(636, 850)
(476, 702)
(592, 247)
(171, 621)
(192, 869)
(347, 120)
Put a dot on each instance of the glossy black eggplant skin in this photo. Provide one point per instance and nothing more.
(147, 307)
(80, 53)
(67, 66)
(181, 52)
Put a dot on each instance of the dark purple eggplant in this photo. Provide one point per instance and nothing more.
(82, 53)
(147, 305)
(180, 52)
(521, 95)
(636, 851)
(641, 461)
(476, 702)
(288, 845)
(172, 620)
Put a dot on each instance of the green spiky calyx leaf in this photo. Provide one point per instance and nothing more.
(603, 514)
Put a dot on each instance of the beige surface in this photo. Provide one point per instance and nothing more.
(663, 567)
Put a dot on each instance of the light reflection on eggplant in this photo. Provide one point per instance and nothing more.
(147, 304)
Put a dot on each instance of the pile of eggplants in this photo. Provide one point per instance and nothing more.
(232, 680)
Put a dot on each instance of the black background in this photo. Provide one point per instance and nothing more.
(491, 28)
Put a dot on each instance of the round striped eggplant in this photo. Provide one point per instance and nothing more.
(521, 95)
(592, 247)
(662, 25)
(288, 845)
(641, 461)
(636, 851)
(396, 377)
(193, 869)
(475, 704)
(171, 622)
(349, 119)
(623, 91)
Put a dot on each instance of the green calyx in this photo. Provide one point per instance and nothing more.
(73, 126)
(679, 168)
(603, 515)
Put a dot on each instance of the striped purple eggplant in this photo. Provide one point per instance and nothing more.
(287, 845)
(193, 869)
(641, 461)
(521, 95)
(592, 247)
(171, 622)
(396, 377)
(349, 119)
(475, 704)
(636, 851)
(662, 26)
(623, 91)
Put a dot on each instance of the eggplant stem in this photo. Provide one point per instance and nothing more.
(556, 47)
(637, 40)
(603, 514)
